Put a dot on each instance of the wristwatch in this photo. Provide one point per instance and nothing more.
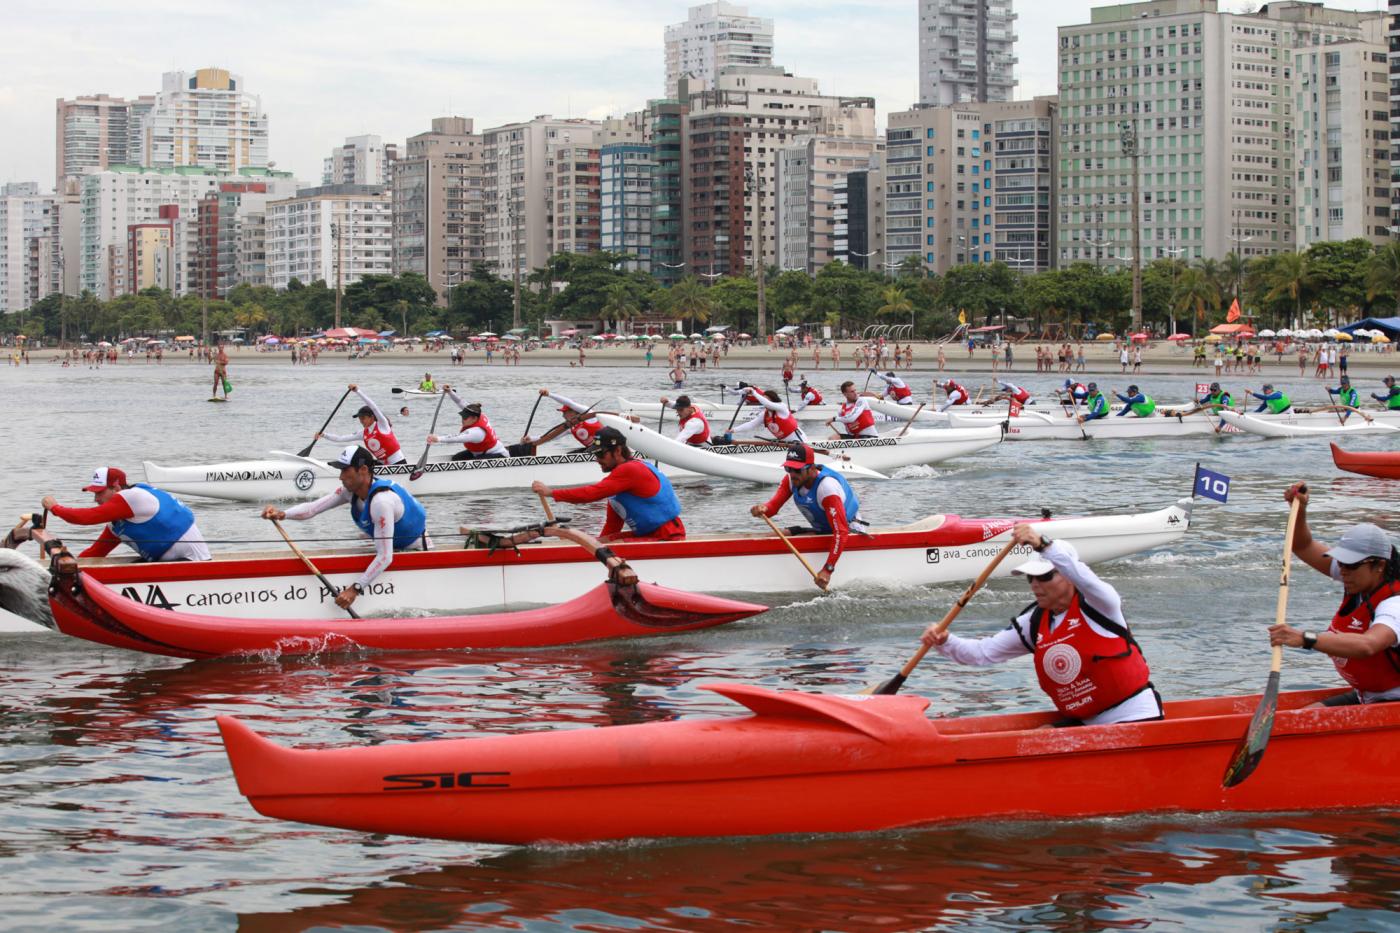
(1309, 641)
(358, 588)
(1045, 542)
(829, 568)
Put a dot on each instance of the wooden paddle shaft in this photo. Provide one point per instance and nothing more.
(1281, 610)
(548, 509)
(791, 547)
(963, 600)
(910, 423)
(307, 561)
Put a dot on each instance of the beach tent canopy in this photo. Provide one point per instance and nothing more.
(1389, 326)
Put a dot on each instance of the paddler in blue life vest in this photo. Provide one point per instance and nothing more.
(1391, 398)
(1086, 658)
(1095, 405)
(1135, 403)
(823, 497)
(1347, 396)
(1271, 400)
(151, 521)
(639, 495)
(382, 510)
(1363, 638)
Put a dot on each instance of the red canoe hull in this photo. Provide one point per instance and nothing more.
(807, 763)
(1384, 464)
(99, 614)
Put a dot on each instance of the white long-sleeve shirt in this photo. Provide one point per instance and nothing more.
(808, 397)
(1011, 641)
(691, 428)
(471, 435)
(778, 408)
(562, 400)
(956, 397)
(387, 509)
(849, 412)
(892, 383)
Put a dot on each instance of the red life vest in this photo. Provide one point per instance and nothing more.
(1083, 672)
(866, 419)
(780, 427)
(957, 394)
(1020, 395)
(899, 393)
(383, 444)
(704, 435)
(812, 397)
(1078, 389)
(1380, 672)
(583, 431)
(481, 446)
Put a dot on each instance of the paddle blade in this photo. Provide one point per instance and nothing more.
(306, 451)
(415, 475)
(1251, 748)
(889, 687)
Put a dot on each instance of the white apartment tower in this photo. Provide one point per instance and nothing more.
(94, 132)
(204, 118)
(336, 234)
(966, 51)
(438, 221)
(362, 160)
(714, 37)
(28, 246)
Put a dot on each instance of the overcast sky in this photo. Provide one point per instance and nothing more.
(326, 70)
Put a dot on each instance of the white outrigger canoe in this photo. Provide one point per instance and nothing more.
(1306, 425)
(880, 454)
(937, 549)
(1166, 422)
(650, 412)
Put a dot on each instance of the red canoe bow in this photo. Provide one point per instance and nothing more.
(1384, 464)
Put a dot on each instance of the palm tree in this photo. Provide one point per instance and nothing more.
(1290, 274)
(620, 305)
(1383, 273)
(1196, 291)
(688, 298)
(895, 302)
(1232, 270)
(1212, 270)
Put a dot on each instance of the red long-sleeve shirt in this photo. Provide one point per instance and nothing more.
(629, 476)
(832, 503)
(114, 509)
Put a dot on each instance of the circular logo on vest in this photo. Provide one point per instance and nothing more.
(304, 480)
(1062, 664)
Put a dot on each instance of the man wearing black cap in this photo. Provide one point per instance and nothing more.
(378, 435)
(382, 510)
(807, 395)
(1135, 403)
(1346, 396)
(823, 497)
(1271, 400)
(694, 428)
(1214, 400)
(1095, 405)
(1391, 398)
(477, 437)
(1363, 638)
(638, 495)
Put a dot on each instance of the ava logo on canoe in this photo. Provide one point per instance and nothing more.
(933, 555)
(444, 780)
(294, 593)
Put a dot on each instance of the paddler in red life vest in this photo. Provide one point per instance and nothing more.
(382, 510)
(151, 521)
(638, 495)
(808, 396)
(823, 497)
(776, 417)
(1011, 391)
(1363, 638)
(954, 395)
(378, 434)
(854, 418)
(694, 429)
(578, 421)
(477, 437)
(1086, 658)
(896, 389)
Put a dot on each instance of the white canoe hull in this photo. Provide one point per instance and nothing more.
(1309, 425)
(650, 412)
(275, 585)
(1044, 425)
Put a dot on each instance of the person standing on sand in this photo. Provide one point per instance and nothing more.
(942, 358)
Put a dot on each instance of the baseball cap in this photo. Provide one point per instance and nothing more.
(682, 401)
(104, 478)
(1068, 383)
(1388, 380)
(1038, 565)
(1132, 390)
(799, 456)
(365, 412)
(1360, 542)
(471, 411)
(1268, 386)
(1346, 379)
(1215, 386)
(1092, 386)
(605, 440)
(353, 456)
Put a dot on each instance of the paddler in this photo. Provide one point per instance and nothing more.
(151, 521)
(1010, 391)
(1347, 396)
(776, 416)
(427, 385)
(1363, 638)
(806, 396)
(854, 418)
(954, 394)
(578, 421)
(1135, 403)
(1391, 399)
(220, 369)
(1074, 391)
(381, 509)
(896, 389)
(1214, 400)
(378, 432)
(1271, 400)
(823, 497)
(694, 428)
(1095, 405)
(638, 494)
(1086, 658)
(477, 437)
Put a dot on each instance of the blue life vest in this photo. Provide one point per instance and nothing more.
(811, 509)
(645, 514)
(157, 534)
(406, 530)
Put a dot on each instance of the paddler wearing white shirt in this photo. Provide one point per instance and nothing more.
(1086, 658)
(956, 395)
(578, 421)
(694, 428)
(1010, 390)
(378, 434)
(896, 389)
(808, 396)
(382, 510)
(776, 417)
(854, 417)
(477, 437)
(151, 521)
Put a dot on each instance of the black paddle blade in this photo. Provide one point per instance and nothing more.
(306, 451)
(1251, 748)
(415, 475)
(889, 687)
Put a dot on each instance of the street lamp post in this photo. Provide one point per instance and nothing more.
(338, 241)
(1239, 257)
(1128, 139)
(1174, 252)
(753, 184)
(515, 261)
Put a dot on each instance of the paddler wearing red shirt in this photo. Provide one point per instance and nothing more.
(638, 495)
(151, 521)
(378, 434)
(1086, 658)
(1363, 638)
(823, 497)
(578, 421)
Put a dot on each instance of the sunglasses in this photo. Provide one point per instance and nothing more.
(1041, 577)
(1360, 563)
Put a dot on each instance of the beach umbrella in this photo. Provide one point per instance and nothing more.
(486, 333)
(1105, 337)
(1139, 337)
(1214, 338)
(697, 336)
(1342, 336)
(654, 337)
(1266, 333)
(511, 337)
(272, 340)
(678, 336)
(1284, 332)
(1179, 337)
(1381, 339)
(744, 337)
(103, 343)
(720, 337)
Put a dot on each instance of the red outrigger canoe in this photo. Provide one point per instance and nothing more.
(1382, 463)
(811, 763)
(89, 610)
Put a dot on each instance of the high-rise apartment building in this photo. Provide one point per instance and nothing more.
(1214, 100)
(713, 37)
(92, 133)
(666, 120)
(337, 234)
(204, 118)
(811, 198)
(28, 246)
(231, 247)
(361, 160)
(439, 223)
(971, 183)
(966, 51)
(1392, 35)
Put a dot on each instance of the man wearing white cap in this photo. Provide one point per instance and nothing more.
(1086, 658)
(956, 395)
(152, 521)
(1363, 639)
